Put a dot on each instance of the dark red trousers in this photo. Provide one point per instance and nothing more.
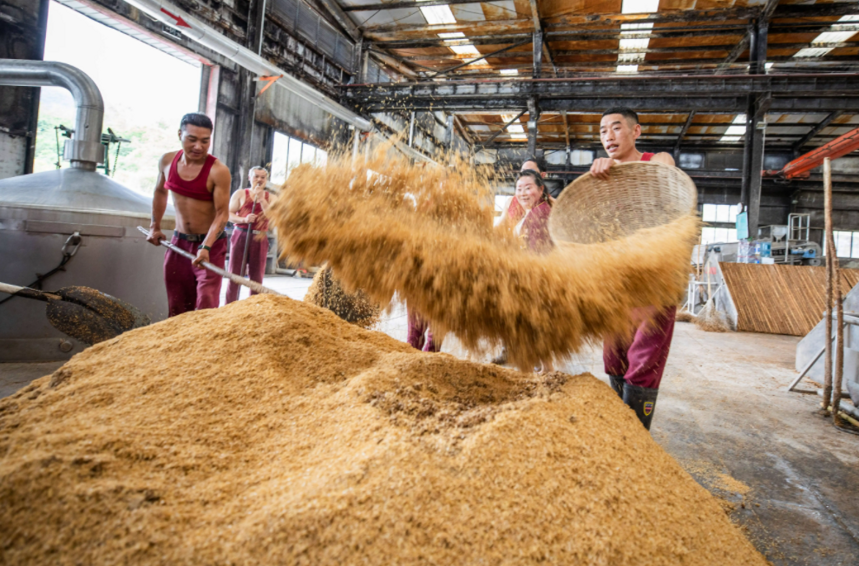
(640, 357)
(420, 334)
(192, 288)
(257, 252)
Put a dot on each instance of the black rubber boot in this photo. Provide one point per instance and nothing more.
(617, 383)
(642, 400)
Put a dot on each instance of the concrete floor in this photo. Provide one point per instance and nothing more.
(785, 475)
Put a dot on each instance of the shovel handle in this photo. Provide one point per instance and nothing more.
(28, 293)
(214, 268)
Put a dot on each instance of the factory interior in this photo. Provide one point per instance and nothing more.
(398, 282)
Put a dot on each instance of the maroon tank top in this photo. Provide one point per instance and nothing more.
(647, 156)
(195, 189)
(261, 223)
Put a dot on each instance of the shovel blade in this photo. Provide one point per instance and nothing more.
(115, 311)
(91, 316)
(80, 322)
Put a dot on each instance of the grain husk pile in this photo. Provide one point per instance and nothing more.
(426, 234)
(312, 441)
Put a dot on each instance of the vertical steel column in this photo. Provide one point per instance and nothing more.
(757, 114)
(533, 118)
(243, 146)
(757, 166)
(538, 53)
(747, 153)
(205, 77)
(761, 47)
(33, 125)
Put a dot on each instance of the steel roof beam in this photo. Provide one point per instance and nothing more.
(811, 84)
(342, 19)
(797, 147)
(504, 127)
(655, 105)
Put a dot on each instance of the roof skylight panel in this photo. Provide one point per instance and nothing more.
(736, 130)
(436, 15)
(635, 45)
(828, 37)
(461, 49)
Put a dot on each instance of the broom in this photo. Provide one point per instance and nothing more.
(710, 319)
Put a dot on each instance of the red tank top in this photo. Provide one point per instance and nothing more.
(647, 156)
(195, 189)
(261, 223)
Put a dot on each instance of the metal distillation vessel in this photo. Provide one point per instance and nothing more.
(74, 219)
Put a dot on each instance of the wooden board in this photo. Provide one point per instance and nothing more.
(780, 299)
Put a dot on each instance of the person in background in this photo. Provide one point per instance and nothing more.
(533, 228)
(515, 211)
(248, 209)
(201, 194)
(419, 333)
(533, 196)
(510, 219)
(634, 362)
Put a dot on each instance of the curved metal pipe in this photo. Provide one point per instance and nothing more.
(84, 150)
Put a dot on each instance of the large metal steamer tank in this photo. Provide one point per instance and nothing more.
(76, 216)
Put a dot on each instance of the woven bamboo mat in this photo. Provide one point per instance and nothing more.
(780, 299)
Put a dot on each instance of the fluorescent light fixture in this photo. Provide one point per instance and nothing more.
(639, 6)
(518, 136)
(828, 37)
(509, 71)
(452, 35)
(436, 15)
(627, 68)
(736, 130)
(516, 129)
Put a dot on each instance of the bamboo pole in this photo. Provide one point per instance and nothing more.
(839, 350)
(830, 254)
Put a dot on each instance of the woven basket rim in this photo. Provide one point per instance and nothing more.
(673, 174)
(588, 175)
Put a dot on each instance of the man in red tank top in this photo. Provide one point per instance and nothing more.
(248, 207)
(201, 194)
(634, 363)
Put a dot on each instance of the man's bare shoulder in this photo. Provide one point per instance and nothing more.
(218, 168)
(167, 158)
(663, 157)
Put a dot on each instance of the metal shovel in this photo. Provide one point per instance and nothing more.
(215, 269)
(84, 313)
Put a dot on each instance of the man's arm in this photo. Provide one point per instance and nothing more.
(159, 202)
(265, 201)
(235, 205)
(221, 199)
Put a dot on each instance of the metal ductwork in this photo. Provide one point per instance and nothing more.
(181, 21)
(84, 150)
(71, 226)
